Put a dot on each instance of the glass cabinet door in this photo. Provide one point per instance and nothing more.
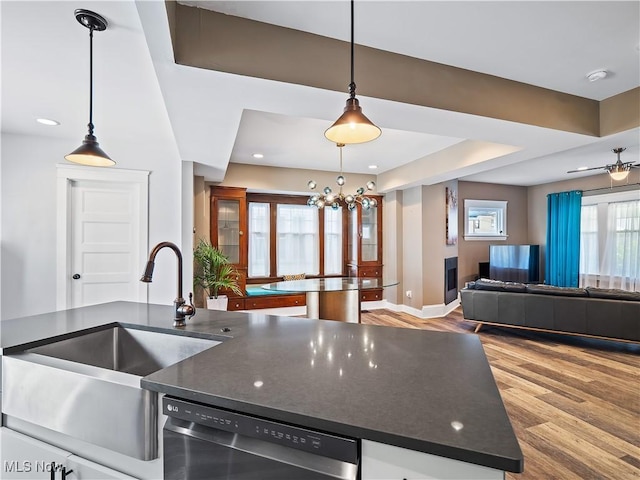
(369, 232)
(228, 216)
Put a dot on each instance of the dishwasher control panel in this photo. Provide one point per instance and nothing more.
(340, 448)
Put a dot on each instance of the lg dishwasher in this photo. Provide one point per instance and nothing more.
(203, 442)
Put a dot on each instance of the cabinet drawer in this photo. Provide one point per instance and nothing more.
(373, 272)
(275, 301)
(236, 304)
(371, 295)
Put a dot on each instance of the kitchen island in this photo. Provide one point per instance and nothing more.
(412, 390)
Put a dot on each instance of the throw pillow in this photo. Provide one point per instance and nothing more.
(297, 276)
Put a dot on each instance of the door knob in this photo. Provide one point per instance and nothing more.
(76, 276)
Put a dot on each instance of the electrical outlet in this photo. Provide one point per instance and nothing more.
(409, 294)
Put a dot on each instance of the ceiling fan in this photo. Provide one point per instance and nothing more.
(618, 171)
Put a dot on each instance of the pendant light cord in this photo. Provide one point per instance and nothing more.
(352, 85)
(90, 81)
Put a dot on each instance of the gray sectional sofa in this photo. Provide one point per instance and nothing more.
(595, 312)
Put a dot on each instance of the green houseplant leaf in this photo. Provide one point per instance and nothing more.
(213, 270)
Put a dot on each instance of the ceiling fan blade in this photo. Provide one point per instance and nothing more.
(587, 169)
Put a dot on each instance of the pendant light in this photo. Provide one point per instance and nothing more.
(90, 153)
(352, 126)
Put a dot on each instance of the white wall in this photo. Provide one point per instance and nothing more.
(28, 209)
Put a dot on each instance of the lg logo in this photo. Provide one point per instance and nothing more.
(172, 408)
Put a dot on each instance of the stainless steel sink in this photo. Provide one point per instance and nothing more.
(88, 386)
(138, 352)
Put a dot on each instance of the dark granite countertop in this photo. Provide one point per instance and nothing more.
(428, 391)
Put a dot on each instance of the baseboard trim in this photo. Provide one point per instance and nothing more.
(374, 305)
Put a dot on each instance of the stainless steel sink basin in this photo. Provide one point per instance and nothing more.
(138, 352)
(88, 386)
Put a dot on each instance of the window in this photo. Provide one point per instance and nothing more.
(622, 250)
(297, 249)
(287, 237)
(333, 241)
(485, 220)
(589, 255)
(259, 235)
(610, 241)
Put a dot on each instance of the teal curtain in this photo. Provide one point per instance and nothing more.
(562, 263)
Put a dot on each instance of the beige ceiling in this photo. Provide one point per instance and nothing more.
(217, 116)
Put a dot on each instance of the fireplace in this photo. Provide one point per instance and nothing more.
(450, 279)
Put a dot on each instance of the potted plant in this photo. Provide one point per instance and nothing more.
(214, 272)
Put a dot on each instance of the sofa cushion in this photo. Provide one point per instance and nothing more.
(487, 284)
(515, 287)
(542, 289)
(499, 286)
(613, 294)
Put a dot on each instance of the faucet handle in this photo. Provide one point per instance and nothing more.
(193, 308)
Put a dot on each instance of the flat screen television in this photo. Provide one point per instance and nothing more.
(515, 263)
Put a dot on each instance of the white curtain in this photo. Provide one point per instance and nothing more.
(258, 239)
(589, 246)
(333, 241)
(620, 265)
(298, 240)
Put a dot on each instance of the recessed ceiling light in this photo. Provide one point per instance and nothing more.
(258, 155)
(582, 168)
(597, 75)
(373, 167)
(47, 121)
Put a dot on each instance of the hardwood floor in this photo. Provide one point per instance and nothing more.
(574, 403)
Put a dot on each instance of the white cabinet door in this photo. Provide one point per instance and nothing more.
(26, 458)
(84, 469)
(387, 462)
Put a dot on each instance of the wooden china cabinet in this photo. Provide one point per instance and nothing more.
(228, 232)
(364, 246)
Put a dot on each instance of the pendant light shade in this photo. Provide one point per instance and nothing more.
(619, 175)
(90, 153)
(352, 126)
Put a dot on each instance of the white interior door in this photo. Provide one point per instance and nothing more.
(104, 242)
(102, 236)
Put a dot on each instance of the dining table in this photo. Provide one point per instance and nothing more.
(332, 298)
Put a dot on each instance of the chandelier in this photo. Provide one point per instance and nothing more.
(338, 199)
